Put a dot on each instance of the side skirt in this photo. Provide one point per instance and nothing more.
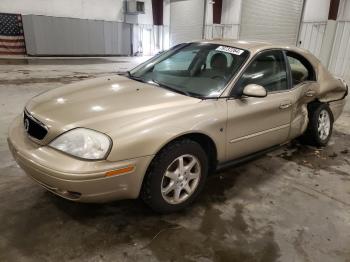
(241, 160)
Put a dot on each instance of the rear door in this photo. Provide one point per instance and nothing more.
(258, 123)
(304, 86)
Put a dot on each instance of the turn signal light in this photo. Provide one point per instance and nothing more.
(120, 171)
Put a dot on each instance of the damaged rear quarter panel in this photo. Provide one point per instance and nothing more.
(329, 88)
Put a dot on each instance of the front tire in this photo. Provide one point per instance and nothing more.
(320, 125)
(175, 177)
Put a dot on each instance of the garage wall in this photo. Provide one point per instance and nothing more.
(344, 10)
(47, 35)
(230, 20)
(273, 21)
(316, 10)
(144, 41)
(311, 36)
(313, 25)
(89, 25)
(109, 10)
(340, 58)
(186, 20)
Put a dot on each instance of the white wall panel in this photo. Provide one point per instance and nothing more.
(340, 59)
(209, 12)
(344, 10)
(273, 21)
(316, 10)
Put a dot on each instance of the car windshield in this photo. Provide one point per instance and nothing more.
(196, 69)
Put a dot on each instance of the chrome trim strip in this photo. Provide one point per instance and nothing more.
(259, 133)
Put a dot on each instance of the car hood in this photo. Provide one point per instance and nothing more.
(103, 104)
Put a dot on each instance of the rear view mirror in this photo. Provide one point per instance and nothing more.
(253, 90)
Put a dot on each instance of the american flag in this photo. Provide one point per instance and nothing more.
(11, 35)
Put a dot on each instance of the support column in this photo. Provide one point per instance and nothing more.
(217, 8)
(157, 10)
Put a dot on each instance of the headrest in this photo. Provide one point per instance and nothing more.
(218, 61)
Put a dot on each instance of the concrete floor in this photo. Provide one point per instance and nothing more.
(290, 205)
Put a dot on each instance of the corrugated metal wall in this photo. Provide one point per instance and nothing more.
(46, 35)
(340, 58)
(311, 36)
(273, 21)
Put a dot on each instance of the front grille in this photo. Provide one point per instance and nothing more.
(34, 127)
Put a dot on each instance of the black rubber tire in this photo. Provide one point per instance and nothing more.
(151, 188)
(311, 135)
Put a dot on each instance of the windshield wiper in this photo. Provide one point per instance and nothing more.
(171, 88)
(137, 78)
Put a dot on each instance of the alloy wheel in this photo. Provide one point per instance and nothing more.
(324, 125)
(181, 179)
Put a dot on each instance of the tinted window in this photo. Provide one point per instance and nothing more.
(267, 70)
(300, 70)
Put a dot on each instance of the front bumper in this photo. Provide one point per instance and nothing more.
(72, 178)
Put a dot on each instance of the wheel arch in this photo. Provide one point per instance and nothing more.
(204, 140)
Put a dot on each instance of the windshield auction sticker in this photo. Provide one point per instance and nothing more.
(230, 50)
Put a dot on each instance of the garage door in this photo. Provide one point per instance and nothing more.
(274, 21)
(186, 20)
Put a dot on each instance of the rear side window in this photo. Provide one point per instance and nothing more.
(301, 69)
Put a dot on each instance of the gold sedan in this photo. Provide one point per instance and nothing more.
(158, 131)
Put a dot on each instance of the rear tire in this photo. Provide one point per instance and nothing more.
(320, 127)
(175, 177)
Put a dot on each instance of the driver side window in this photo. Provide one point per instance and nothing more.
(268, 70)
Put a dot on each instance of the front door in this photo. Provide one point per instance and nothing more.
(258, 123)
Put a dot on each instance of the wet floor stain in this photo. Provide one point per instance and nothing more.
(217, 240)
(63, 79)
(299, 245)
(334, 154)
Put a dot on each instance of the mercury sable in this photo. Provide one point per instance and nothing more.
(160, 129)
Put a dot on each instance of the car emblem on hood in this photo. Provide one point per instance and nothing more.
(26, 124)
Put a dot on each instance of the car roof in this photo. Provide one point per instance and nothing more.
(254, 46)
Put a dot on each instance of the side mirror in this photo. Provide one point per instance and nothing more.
(253, 90)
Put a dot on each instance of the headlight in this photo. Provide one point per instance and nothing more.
(83, 143)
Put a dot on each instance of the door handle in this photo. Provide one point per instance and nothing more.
(285, 105)
(310, 93)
